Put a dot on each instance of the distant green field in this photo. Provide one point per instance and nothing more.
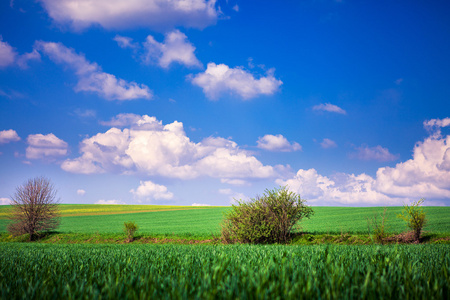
(204, 221)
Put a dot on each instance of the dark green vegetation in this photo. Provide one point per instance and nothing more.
(41, 271)
(271, 218)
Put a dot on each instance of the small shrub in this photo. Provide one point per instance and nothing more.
(379, 228)
(130, 229)
(414, 216)
(268, 219)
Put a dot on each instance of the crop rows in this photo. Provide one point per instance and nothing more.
(41, 271)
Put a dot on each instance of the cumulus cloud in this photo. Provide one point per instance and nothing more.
(347, 189)
(329, 108)
(426, 174)
(151, 191)
(91, 78)
(373, 153)
(5, 201)
(147, 146)
(7, 136)
(175, 49)
(327, 143)
(81, 192)
(45, 146)
(117, 14)
(200, 204)
(221, 79)
(113, 202)
(277, 143)
(9, 56)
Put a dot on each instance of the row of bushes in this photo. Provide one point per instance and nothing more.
(271, 218)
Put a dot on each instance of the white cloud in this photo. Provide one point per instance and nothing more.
(175, 49)
(236, 8)
(125, 42)
(327, 143)
(109, 202)
(330, 108)
(277, 143)
(45, 146)
(149, 191)
(5, 201)
(434, 126)
(7, 136)
(426, 174)
(373, 153)
(346, 189)
(236, 182)
(152, 148)
(91, 78)
(118, 14)
(9, 56)
(81, 192)
(200, 204)
(221, 79)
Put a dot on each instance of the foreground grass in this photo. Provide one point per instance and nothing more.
(38, 271)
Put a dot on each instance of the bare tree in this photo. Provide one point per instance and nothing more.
(34, 208)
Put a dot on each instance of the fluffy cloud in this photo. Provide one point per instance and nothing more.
(81, 192)
(5, 201)
(91, 78)
(109, 202)
(330, 108)
(200, 204)
(9, 56)
(347, 189)
(118, 14)
(277, 143)
(373, 153)
(148, 190)
(45, 146)
(426, 174)
(147, 146)
(221, 79)
(327, 143)
(175, 49)
(7, 136)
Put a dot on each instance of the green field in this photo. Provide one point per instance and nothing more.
(43, 271)
(204, 221)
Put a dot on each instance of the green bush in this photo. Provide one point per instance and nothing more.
(130, 229)
(379, 227)
(271, 218)
(414, 216)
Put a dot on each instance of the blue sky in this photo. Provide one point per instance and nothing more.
(201, 102)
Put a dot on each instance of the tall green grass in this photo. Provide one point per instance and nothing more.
(42, 271)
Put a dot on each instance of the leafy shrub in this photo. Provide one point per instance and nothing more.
(130, 229)
(414, 216)
(268, 219)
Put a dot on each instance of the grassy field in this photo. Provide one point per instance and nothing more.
(42, 271)
(204, 221)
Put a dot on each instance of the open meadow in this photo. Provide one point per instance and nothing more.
(205, 221)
